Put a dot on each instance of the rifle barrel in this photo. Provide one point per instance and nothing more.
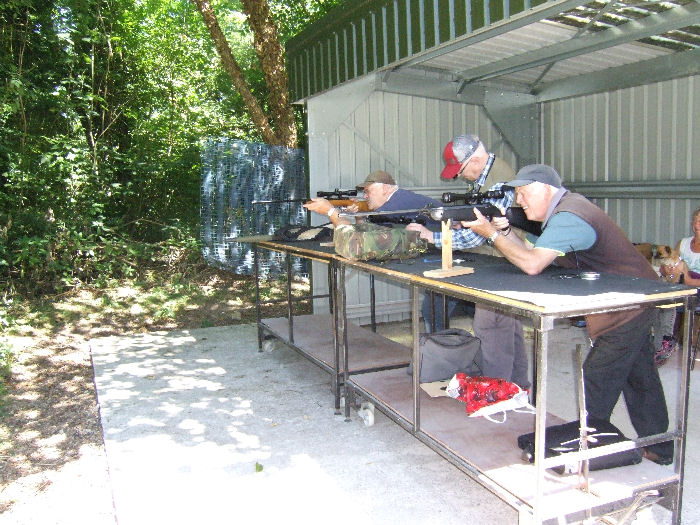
(279, 201)
(394, 212)
(437, 213)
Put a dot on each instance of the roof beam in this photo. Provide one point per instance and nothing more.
(676, 18)
(638, 189)
(683, 64)
(423, 83)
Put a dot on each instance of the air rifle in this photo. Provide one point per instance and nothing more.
(336, 198)
(515, 215)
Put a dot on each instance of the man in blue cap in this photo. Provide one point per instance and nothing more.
(578, 234)
(502, 340)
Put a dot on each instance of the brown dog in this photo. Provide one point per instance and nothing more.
(671, 266)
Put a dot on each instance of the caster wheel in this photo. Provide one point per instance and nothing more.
(366, 405)
(269, 345)
(367, 416)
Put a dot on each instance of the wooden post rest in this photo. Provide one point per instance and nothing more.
(447, 269)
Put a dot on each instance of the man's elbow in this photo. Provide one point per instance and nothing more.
(532, 270)
(537, 260)
(532, 267)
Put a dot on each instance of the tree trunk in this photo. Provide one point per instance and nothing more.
(271, 56)
(234, 70)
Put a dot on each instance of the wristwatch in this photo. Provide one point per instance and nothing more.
(491, 238)
(331, 211)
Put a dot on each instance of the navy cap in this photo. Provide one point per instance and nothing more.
(536, 173)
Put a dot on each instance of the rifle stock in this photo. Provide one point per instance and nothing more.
(361, 205)
(516, 217)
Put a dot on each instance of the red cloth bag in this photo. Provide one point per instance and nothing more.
(484, 396)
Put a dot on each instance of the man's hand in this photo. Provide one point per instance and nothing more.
(500, 222)
(353, 208)
(318, 205)
(480, 225)
(425, 233)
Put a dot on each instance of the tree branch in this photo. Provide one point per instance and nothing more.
(271, 55)
(234, 70)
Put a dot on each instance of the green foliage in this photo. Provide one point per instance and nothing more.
(104, 105)
(6, 359)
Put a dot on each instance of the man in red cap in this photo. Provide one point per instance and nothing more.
(502, 340)
(466, 157)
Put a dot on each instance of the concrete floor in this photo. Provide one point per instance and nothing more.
(200, 427)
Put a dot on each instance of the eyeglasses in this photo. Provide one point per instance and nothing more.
(461, 169)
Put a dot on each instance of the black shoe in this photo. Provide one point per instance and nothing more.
(653, 456)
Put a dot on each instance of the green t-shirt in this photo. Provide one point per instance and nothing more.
(565, 232)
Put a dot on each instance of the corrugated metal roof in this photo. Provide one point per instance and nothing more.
(536, 36)
(528, 45)
(594, 16)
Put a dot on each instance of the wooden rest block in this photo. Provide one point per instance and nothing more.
(449, 272)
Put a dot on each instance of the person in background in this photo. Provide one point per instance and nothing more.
(382, 194)
(502, 339)
(689, 268)
(578, 234)
(665, 343)
(689, 250)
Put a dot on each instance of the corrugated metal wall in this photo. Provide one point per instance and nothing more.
(404, 135)
(635, 152)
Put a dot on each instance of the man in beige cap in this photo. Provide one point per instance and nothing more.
(382, 194)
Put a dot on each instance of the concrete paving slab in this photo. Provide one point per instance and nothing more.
(200, 427)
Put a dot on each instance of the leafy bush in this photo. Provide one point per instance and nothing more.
(6, 358)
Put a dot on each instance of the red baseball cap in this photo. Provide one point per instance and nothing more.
(462, 146)
(452, 165)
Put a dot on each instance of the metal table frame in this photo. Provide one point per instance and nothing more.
(543, 323)
(336, 280)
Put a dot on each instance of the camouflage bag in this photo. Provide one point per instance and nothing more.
(364, 241)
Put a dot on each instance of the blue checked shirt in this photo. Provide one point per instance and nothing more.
(465, 238)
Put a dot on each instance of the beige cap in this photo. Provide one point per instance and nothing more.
(377, 176)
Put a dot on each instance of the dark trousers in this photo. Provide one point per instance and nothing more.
(622, 361)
